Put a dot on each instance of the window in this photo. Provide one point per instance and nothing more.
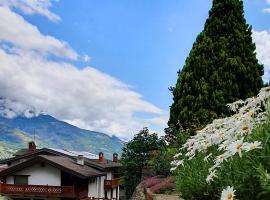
(21, 180)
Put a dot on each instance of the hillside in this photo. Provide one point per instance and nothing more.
(50, 132)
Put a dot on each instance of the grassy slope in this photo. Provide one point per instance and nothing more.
(50, 132)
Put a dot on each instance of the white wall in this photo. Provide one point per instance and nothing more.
(109, 176)
(96, 188)
(38, 175)
(102, 192)
(113, 192)
(92, 189)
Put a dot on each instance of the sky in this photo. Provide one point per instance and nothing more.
(106, 65)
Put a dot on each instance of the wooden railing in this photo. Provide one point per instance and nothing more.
(109, 184)
(94, 198)
(38, 190)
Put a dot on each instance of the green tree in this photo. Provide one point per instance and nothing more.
(135, 156)
(222, 67)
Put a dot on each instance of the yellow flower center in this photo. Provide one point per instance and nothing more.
(250, 114)
(252, 147)
(239, 146)
(245, 128)
(230, 196)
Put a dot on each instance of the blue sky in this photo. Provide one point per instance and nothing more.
(141, 44)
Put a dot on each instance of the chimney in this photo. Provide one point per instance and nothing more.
(115, 157)
(80, 160)
(32, 146)
(100, 157)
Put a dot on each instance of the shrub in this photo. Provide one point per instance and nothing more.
(165, 184)
(238, 152)
(149, 182)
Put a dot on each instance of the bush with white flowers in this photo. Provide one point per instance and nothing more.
(227, 136)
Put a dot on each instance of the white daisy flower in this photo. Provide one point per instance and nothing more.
(237, 147)
(178, 155)
(211, 176)
(176, 163)
(252, 146)
(173, 169)
(228, 194)
(223, 146)
(207, 157)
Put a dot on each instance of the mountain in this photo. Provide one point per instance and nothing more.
(49, 132)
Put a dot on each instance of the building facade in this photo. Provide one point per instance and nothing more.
(39, 174)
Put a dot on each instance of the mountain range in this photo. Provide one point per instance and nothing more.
(18, 129)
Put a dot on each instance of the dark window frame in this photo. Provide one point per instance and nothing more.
(16, 182)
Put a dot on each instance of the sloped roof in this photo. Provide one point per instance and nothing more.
(103, 165)
(66, 164)
(21, 152)
(3, 167)
(76, 153)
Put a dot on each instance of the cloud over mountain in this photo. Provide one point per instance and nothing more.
(85, 97)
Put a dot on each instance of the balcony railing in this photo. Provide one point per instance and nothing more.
(109, 184)
(38, 190)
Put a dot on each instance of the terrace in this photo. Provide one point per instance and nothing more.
(110, 184)
(38, 190)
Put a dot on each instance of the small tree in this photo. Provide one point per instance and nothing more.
(135, 156)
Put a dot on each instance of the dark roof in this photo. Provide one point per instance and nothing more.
(28, 155)
(3, 167)
(105, 164)
(66, 164)
(21, 152)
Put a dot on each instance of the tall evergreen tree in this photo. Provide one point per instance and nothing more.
(222, 67)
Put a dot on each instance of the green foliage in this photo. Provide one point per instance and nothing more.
(221, 68)
(248, 175)
(136, 154)
(162, 161)
(190, 179)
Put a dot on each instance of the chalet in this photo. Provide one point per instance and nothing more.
(44, 174)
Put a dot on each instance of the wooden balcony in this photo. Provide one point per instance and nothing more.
(109, 184)
(38, 190)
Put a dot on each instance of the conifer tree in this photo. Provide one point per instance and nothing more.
(221, 68)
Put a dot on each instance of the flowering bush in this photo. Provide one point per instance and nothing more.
(149, 182)
(165, 184)
(220, 154)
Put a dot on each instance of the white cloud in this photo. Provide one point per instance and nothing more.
(262, 40)
(84, 97)
(31, 7)
(266, 10)
(86, 58)
(25, 36)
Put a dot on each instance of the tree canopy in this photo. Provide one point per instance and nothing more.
(221, 68)
(135, 155)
